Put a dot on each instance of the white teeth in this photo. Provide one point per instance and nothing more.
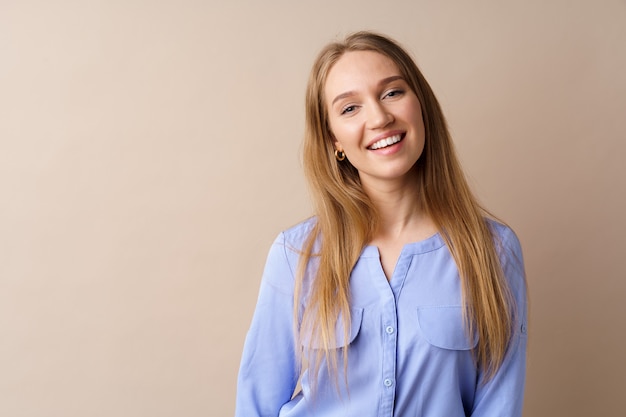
(386, 142)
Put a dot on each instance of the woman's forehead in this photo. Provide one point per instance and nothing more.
(356, 71)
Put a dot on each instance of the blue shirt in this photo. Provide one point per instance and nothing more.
(408, 352)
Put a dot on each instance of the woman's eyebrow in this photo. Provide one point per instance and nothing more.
(384, 81)
(390, 79)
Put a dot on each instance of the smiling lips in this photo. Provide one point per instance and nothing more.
(383, 143)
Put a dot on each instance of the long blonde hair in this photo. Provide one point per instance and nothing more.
(346, 220)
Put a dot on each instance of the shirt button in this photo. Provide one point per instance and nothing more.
(388, 382)
(389, 329)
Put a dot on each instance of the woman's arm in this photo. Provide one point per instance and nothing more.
(503, 395)
(268, 374)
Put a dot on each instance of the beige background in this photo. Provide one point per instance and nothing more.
(149, 153)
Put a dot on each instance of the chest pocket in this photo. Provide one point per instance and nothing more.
(443, 327)
(356, 317)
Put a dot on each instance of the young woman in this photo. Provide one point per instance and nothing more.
(401, 297)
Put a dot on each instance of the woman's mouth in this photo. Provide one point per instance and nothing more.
(383, 143)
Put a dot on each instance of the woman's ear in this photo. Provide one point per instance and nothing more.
(336, 143)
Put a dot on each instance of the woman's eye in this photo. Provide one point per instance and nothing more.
(394, 93)
(348, 109)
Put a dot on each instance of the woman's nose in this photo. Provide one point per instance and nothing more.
(378, 116)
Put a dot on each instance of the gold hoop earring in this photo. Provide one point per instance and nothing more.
(340, 155)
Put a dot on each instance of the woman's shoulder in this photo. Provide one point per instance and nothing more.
(509, 251)
(505, 237)
(295, 236)
(284, 255)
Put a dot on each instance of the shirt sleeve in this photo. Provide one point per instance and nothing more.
(503, 395)
(268, 374)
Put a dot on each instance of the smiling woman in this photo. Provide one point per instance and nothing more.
(378, 122)
(401, 296)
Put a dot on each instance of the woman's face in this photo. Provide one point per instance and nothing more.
(374, 116)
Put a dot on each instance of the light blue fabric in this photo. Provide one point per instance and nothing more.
(408, 353)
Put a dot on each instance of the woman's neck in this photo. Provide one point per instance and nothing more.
(401, 217)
